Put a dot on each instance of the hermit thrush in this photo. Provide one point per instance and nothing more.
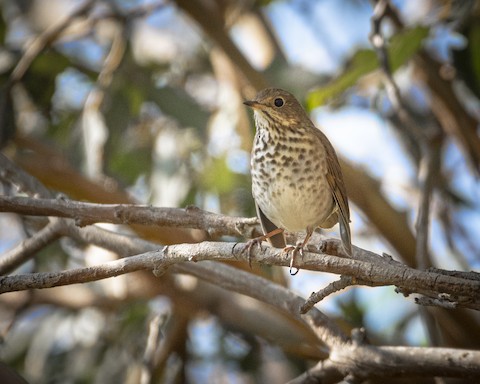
(297, 182)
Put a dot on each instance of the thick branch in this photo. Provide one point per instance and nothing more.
(212, 24)
(373, 270)
(268, 292)
(367, 361)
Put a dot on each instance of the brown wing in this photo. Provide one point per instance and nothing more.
(278, 240)
(339, 192)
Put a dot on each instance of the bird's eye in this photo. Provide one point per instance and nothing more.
(278, 102)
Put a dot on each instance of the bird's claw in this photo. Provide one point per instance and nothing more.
(248, 248)
(297, 249)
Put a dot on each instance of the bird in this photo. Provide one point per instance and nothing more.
(297, 182)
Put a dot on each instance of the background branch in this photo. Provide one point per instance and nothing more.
(30, 246)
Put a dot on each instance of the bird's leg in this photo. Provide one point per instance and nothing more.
(298, 248)
(258, 241)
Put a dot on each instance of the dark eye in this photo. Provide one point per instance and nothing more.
(278, 102)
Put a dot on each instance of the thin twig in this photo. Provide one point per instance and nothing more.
(428, 171)
(45, 39)
(28, 248)
(335, 286)
(442, 302)
(425, 138)
(378, 41)
(13, 174)
(154, 339)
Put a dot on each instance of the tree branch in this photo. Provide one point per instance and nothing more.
(378, 41)
(264, 290)
(345, 357)
(333, 287)
(454, 119)
(89, 213)
(45, 39)
(30, 246)
(428, 173)
(11, 173)
(373, 270)
(366, 362)
(211, 22)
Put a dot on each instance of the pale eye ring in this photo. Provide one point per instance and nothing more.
(278, 102)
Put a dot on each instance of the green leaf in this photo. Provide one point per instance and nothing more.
(363, 61)
(404, 45)
(400, 49)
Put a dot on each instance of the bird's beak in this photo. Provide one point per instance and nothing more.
(253, 104)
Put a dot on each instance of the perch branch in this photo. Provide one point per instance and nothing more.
(370, 273)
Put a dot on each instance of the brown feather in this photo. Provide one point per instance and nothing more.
(339, 192)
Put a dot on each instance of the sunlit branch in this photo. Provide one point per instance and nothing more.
(366, 268)
(90, 213)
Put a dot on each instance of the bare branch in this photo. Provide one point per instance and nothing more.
(378, 41)
(454, 118)
(152, 347)
(345, 357)
(371, 273)
(366, 361)
(212, 23)
(29, 247)
(222, 275)
(443, 301)
(89, 213)
(428, 172)
(46, 38)
(11, 173)
(333, 287)
(264, 290)
(78, 275)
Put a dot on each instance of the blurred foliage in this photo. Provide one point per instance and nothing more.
(168, 116)
(40, 79)
(400, 49)
(467, 60)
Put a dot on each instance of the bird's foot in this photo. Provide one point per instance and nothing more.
(249, 245)
(297, 249)
(258, 241)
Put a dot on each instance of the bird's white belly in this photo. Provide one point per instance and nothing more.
(296, 206)
(290, 189)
